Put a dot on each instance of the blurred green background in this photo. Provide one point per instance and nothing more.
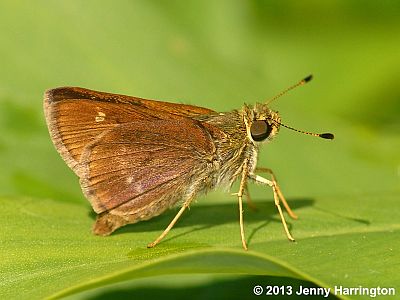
(216, 54)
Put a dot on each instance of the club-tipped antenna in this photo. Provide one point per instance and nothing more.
(328, 136)
(301, 82)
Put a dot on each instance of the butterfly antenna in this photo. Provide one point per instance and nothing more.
(328, 136)
(301, 82)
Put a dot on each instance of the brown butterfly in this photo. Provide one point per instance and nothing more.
(136, 158)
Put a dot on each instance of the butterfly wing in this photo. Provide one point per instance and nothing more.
(140, 163)
(76, 117)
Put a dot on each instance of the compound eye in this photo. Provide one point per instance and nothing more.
(260, 130)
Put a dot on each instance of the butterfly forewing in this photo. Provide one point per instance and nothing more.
(77, 116)
(127, 151)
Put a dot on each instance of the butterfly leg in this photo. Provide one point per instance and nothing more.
(242, 188)
(165, 232)
(278, 190)
(273, 184)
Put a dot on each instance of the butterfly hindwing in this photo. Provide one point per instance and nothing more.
(134, 161)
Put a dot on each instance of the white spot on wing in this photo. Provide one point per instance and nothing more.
(100, 117)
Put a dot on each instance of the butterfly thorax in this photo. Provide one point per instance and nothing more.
(235, 146)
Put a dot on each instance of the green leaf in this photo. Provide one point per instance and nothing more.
(48, 244)
(216, 54)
